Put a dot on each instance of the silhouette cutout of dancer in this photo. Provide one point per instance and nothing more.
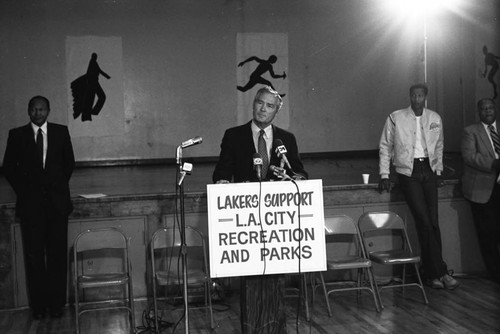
(86, 88)
(490, 60)
(256, 76)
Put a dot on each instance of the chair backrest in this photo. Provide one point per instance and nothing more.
(100, 238)
(101, 250)
(371, 221)
(340, 224)
(341, 229)
(372, 224)
(167, 243)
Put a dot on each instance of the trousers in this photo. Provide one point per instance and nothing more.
(420, 191)
(487, 222)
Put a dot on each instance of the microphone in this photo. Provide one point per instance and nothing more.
(280, 172)
(281, 152)
(257, 165)
(190, 142)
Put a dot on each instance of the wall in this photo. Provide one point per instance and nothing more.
(349, 65)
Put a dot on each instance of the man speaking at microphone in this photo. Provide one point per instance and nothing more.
(240, 143)
(260, 151)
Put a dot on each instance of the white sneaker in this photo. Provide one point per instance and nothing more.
(449, 282)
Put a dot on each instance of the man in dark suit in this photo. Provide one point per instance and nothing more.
(262, 297)
(240, 143)
(38, 164)
(481, 182)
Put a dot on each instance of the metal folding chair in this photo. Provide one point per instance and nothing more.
(167, 269)
(378, 227)
(346, 254)
(101, 260)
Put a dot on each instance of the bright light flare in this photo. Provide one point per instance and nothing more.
(419, 8)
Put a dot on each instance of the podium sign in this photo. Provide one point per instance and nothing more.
(266, 228)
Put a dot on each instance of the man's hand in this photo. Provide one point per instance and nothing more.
(222, 182)
(439, 181)
(298, 177)
(384, 184)
(279, 172)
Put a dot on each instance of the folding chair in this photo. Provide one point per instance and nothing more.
(346, 254)
(106, 249)
(379, 227)
(167, 269)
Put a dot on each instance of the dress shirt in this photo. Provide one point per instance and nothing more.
(489, 136)
(268, 137)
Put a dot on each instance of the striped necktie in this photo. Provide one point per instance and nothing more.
(495, 139)
(263, 153)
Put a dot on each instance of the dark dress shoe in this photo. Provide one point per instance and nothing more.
(38, 314)
(56, 312)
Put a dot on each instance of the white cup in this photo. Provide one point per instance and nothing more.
(366, 178)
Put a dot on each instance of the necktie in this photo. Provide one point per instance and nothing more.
(495, 139)
(39, 144)
(263, 153)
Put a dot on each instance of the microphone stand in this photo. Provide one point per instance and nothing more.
(182, 172)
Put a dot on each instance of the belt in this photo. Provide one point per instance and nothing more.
(421, 159)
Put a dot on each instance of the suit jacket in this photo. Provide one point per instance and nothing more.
(478, 179)
(34, 185)
(237, 150)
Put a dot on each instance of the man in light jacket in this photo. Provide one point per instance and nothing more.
(413, 139)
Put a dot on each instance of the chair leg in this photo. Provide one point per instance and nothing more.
(376, 295)
(359, 280)
(155, 306)
(131, 305)
(421, 284)
(208, 295)
(325, 293)
(404, 279)
(77, 310)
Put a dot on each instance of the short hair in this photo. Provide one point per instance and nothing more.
(39, 97)
(268, 89)
(419, 86)
(483, 100)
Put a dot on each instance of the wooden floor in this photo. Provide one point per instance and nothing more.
(473, 308)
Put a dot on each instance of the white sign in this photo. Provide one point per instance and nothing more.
(266, 228)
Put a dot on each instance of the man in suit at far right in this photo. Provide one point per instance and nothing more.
(481, 182)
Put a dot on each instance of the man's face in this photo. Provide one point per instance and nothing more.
(38, 112)
(265, 108)
(417, 98)
(487, 112)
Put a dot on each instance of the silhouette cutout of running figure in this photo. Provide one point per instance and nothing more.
(86, 88)
(490, 60)
(256, 76)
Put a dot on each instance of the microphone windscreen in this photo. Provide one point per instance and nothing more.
(257, 159)
(277, 142)
(279, 148)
